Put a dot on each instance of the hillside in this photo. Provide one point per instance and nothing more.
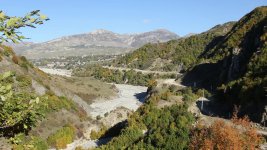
(175, 55)
(36, 107)
(229, 60)
(232, 66)
(99, 42)
(237, 65)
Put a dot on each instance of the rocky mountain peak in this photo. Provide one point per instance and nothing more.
(101, 31)
(98, 42)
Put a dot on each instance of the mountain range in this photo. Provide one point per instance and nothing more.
(98, 42)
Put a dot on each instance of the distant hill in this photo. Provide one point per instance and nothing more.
(174, 55)
(99, 42)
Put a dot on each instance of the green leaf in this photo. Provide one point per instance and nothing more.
(32, 20)
(9, 95)
(10, 25)
(2, 15)
(37, 100)
(43, 17)
(6, 75)
(8, 87)
(3, 98)
(25, 126)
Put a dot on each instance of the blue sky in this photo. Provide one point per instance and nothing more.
(127, 16)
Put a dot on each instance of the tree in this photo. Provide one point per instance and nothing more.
(221, 135)
(16, 109)
(9, 25)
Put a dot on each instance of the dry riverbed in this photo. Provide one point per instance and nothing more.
(61, 72)
(129, 97)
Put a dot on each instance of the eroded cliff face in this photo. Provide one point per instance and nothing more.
(236, 65)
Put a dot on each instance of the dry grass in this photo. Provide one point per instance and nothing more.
(56, 120)
(87, 88)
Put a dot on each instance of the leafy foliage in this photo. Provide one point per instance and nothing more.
(20, 109)
(62, 137)
(98, 134)
(119, 77)
(220, 135)
(10, 25)
(154, 128)
(21, 142)
(235, 66)
(16, 108)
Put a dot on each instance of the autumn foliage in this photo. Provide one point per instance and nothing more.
(15, 59)
(235, 135)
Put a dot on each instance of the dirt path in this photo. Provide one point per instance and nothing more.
(168, 82)
(143, 71)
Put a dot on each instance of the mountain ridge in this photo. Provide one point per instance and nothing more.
(97, 42)
(174, 55)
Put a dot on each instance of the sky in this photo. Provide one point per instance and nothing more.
(68, 17)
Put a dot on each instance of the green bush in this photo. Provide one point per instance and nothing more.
(98, 117)
(153, 128)
(97, 134)
(24, 81)
(21, 142)
(20, 109)
(130, 77)
(8, 51)
(62, 137)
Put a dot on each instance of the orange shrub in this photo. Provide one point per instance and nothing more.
(15, 59)
(229, 136)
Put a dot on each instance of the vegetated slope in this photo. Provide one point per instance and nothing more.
(99, 42)
(36, 104)
(173, 55)
(237, 64)
(152, 127)
(119, 76)
(164, 122)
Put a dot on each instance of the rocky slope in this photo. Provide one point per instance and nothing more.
(237, 65)
(99, 42)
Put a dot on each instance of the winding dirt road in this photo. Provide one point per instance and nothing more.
(142, 71)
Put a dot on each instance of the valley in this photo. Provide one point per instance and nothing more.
(129, 96)
(152, 90)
